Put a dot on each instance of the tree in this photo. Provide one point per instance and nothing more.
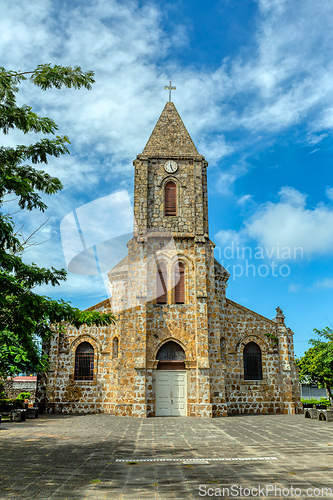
(27, 318)
(316, 366)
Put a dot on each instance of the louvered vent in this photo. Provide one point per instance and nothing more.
(170, 199)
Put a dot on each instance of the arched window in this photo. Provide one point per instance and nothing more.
(170, 199)
(171, 356)
(179, 277)
(84, 362)
(171, 351)
(252, 362)
(161, 285)
(115, 348)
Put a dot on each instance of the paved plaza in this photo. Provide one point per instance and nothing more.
(107, 457)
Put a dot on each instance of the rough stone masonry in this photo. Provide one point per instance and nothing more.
(210, 330)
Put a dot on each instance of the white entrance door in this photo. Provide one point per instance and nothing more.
(171, 393)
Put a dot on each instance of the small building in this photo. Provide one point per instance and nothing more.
(312, 391)
(13, 386)
(179, 346)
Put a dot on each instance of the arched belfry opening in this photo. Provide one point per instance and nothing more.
(171, 356)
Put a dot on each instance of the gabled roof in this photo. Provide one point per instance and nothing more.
(122, 266)
(220, 270)
(170, 137)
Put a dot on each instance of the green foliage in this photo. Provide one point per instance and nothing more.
(23, 395)
(320, 401)
(316, 366)
(273, 337)
(26, 318)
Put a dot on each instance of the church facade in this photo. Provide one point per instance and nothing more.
(179, 347)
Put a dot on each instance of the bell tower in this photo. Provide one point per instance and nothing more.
(171, 259)
(170, 183)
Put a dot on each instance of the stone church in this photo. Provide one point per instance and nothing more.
(179, 347)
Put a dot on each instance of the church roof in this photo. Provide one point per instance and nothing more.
(220, 270)
(122, 266)
(170, 136)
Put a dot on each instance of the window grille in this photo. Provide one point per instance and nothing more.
(162, 279)
(170, 199)
(252, 362)
(84, 362)
(180, 283)
(171, 351)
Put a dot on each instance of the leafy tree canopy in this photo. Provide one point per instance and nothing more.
(26, 318)
(316, 366)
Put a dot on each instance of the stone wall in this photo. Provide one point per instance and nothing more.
(263, 396)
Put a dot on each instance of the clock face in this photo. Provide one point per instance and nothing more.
(170, 166)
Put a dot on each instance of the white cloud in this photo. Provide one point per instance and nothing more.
(315, 287)
(290, 196)
(329, 193)
(214, 149)
(284, 82)
(288, 223)
(294, 288)
(224, 180)
(325, 283)
(243, 200)
(228, 238)
(286, 228)
(314, 139)
(288, 78)
(120, 42)
(97, 231)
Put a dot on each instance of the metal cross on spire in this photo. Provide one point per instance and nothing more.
(170, 88)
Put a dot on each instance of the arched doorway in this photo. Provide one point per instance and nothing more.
(171, 387)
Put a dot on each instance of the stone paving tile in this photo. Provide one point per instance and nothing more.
(74, 457)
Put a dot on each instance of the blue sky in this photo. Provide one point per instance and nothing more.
(255, 89)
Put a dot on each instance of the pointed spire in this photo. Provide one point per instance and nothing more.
(170, 136)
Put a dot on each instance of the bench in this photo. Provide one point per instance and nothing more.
(319, 414)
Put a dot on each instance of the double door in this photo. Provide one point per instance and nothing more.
(171, 397)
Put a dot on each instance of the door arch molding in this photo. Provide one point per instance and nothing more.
(171, 356)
